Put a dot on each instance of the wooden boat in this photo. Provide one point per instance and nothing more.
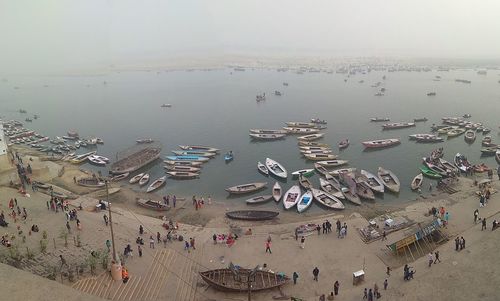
(261, 131)
(381, 143)
(81, 158)
(446, 129)
(332, 163)
(488, 151)
(343, 144)
(252, 215)
(397, 125)
(332, 186)
(136, 178)
(267, 136)
(305, 201)
(246, 188)
(455, 132)
(303, 172)
(352, 197)
(276, 168)
(277, 192)
(259, 199)
(194, 153)
(479, 168)
(364, 191)
(337, 172)
(91, 182)
(320, 157)
(389, 179)
(312, 143)
(486, 141)
(435, 168)
(321, 169)
(417, 181)
(157, 184)
(291, 197)
(318, 121)
(151, 204)
(421, 119)
(315, 151)
(415, 136)
(311, 137)
(262, 168)
(225, 280)
(41, 185)
(119, 177)
(182, 168)
(312, 148)
(305, 183)
(497, 156)
(96, 160)
(328, 200)
(461, 162)
(183, 174)
(292, 130)
(144, 141)
(371, 181)
(188, 158)
(300, 124)
(447, 165)
(426, 171)
(200, 148)
(378, 119)
(144, 180)
(470, 136)
(183, 163)
(429, 139)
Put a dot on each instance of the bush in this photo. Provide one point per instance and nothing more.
(104, 257)
(29, 254)
(92, 263)
(64, 235)
(43, 246)
(44, 234)
(14, 253)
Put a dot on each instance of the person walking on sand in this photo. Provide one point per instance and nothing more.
(375, 291)
(476, 215)
(457, 243)
(141, 230)
(158, 237)
(151, 242)
(139, 250)
(315, 273)
(388, 272)
(370, 295)
(431, 258)
(436, 255)
(302, 242)
(483, 224)
(462, 243)
(68, 227)
(336, 287)
(295, 276)
(268, 247)
(386, 283)
(191, 243)
(106, 221)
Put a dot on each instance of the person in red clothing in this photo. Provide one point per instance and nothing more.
(268, 247)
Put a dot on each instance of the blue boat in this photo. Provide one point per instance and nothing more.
(187, 158)
(228, 157)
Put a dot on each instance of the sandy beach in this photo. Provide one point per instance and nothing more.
(169, 272)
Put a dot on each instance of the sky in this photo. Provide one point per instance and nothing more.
(56, 35)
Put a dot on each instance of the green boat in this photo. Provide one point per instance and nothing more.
(430, 173)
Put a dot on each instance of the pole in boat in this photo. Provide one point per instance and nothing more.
(116, 267)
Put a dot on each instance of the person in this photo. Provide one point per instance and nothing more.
(78, 225)
(295, 276)
(296, 233)
(384, 236)
(388, 272)
(158, 237)
(498, 172)
(365, 294)
(386, 283)
(68, 227)
(457, 243)
(186, 246)
(431, 258)
(125, 276)
(436, 255)
(315, 273)
(345, 229)
(139, 250)
(476, 215)
(430, 186)
(370, 295)
(141, 230)
(338, 227)
(483, 224)
(376, 293)
(447, 217)
(106, 221)
(318, 228)
(174, 200)
(139, 240)
(151, 242)
(63, 261)
(494, 225)
(336, 287)
(322, 297)
(191, 243)
(108, 245)
(462, 244)
(302, 242)
(268, 247)
(214, 238)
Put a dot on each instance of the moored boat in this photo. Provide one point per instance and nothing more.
(92, 182)
(194, 153)
(305, 201)
(119, 177)
(292, 130)
(259, 199)
(417, 181)
(300, 124)
(187, 158)
(397, 125)
(182, 168)
(381, 143)
(488, 151)
(320, 157)
(328, 200)
(332, 163)
(200, 148)
(291, 197)
(313, 143)
(332, 186)
(455, 132)
(311, 137)
(470, 136)
(426, 171)
(267, 136)
(337, 172)
(263, 131)
(252, 215)
(151, 204)
(305, 183)
(277, 192)
(303, 172)
(144, 141)
(372, 181)
(364, 191)
(136, 178)
(183, 163)
(276, 168)
(389, 179)
(183, 174)
(225, 279)
(246, 188)
(262, 168)
(461, 162)
(144, 180)
(136, 160)
(379, 119)
(157, 184)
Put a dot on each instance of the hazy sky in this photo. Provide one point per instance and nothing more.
(46, 35)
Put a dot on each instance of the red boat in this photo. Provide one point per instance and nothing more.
(381, 143)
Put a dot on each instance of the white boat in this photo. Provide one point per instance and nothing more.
(372, 181)
(144, 180)
(300, 124)
(292, 130)
(337, 172)
(389, 179)
(264, 131)
(262, 168)
(304, 172)
(259, 199)
(311, 137)
(136, 178)
(316, 151)
(194, 153)
(416, 183)
(144, 141)
(320, 157)
(305, 201)
(119, 177)
(332, 163)
(157, 184)
(200, 148)
(276, 168)
(291, 197)
(332, 186)
(97, 161)
(277, 192)
(182, 168)
(328, 200)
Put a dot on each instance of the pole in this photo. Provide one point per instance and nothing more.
(249, 291)
(110, 221)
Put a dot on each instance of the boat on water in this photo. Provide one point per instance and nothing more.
(447, 165)
(313, 143)
(252, 215)
(332, 186)
(497, 156)
(337, 172)
(226, 280)
(144, 179)
(426, 171)
(136, 178)
(461, 162)
(446, 129)
(371, 180)
(487, 141)
(92, 182)
(183, 174)
(320, 157)
(319, 148)
(382, 143)
(292, 130)
(263, 131)
(303, 172)
(228, 157)
(305, 183)
(415, 136)
(435, 167)
(183, 163)
(332, 163)
(321, 169)
(276, 168)
(246, 188)
(157, 184)
(81, 158)
(151, 204)
(429, 139)
(470, 136)
(297, 124)
(267, 136)
(259, 199)
(98, 160)
(328, 200)
(194, 153)
(389, 179)
(397, 125)
(364, 191)
(305, 201)
(318, 121)
(422, 119)
(187, 158)
(350, 193)
(262, 168)
(431, 94)
(379, 119)
(417, 181)
(311, 137)
(144, 141)
(316, 151)
(166, 105)
(182, 168)
(200, 148)
(136, 160)
(455, 132)
(277, 192)
(343, 144)
(119, 177)
(291, 197)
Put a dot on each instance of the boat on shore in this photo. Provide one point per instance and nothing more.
(326, 199)
(246, 188)
(389, 179)
(259, 199)
(183, 174)
(158, 183)
(267, 136)
(151, 204)
(81, 158)
(426, 171)
(262, 168)
(135, 161)
(372, 181)
(291, 197)
(252, 215)
(136, 178)
(144, 180)
(200, 148)
(276, 168)
(119, 177)
(417, 181)
(311, 137)
(461, 162)
(92, 182)
(382, 143)
(364, 191)
(264, 131)
(277, 192)
(397, 125)
(447, 165)
(305, 201)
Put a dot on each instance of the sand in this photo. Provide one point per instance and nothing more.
(170, 273)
